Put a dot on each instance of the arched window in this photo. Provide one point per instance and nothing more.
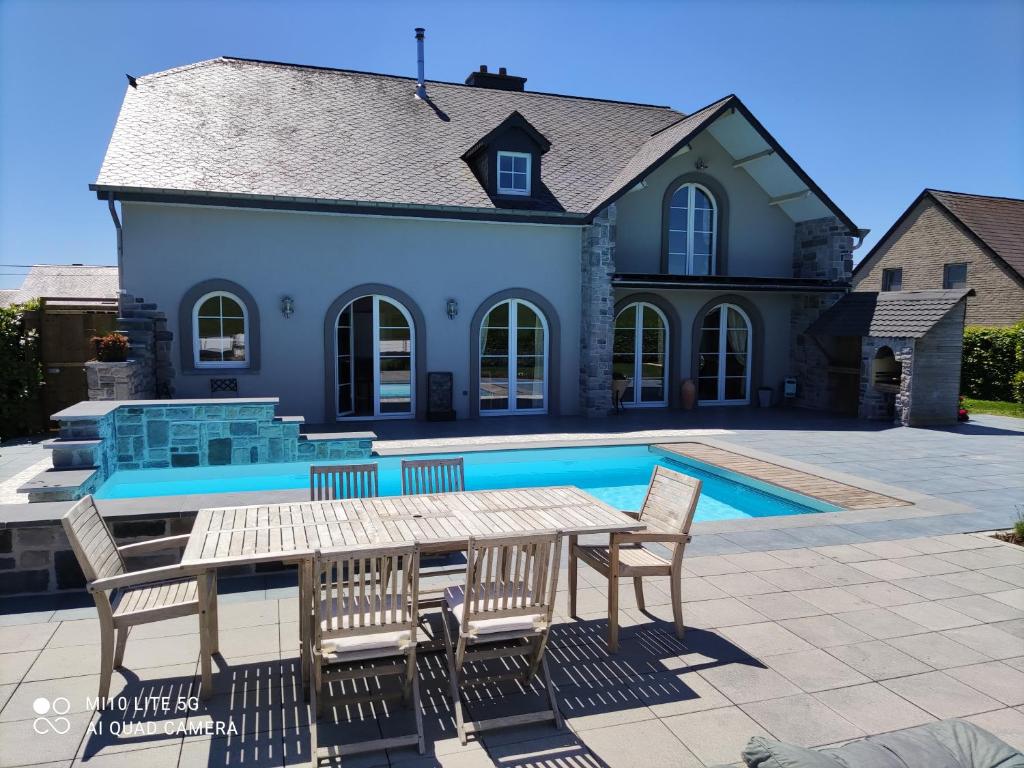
(513, 359)
(724, 357)
(640, 354)
(375, 359)
(220, 328)
(692, 231)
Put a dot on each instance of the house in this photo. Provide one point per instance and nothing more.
(331, 236)
(951, 241)
(64, 281)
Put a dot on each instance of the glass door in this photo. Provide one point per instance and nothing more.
(724, 359)
(375, 360)
(640, 355)
(513, 359)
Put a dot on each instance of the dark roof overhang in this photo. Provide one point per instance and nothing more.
(317, 205)
(728, 282)
(514, 120)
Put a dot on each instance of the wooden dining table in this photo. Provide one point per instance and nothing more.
(440, 523)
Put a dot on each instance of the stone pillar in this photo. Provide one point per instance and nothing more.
(150, 345)
(130, 380)
(822, 249)
(597, 310)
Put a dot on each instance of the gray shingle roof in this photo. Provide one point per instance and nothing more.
(904, 314)
(996, 221)
(54, 281)
(233, 126)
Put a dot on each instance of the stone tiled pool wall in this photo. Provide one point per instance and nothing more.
(99, 439)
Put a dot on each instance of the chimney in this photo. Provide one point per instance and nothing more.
(502, 81)
(421, 85)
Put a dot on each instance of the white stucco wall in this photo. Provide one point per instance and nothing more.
(760, 236)
(315, 258)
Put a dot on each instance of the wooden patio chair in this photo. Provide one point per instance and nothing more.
(125, 599)
(668, 512)
(366, 610)
(342, 481)
(433, 476)
(503, 611)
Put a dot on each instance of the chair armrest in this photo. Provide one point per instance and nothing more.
(154, 545)
(148, 576)
(665, 538)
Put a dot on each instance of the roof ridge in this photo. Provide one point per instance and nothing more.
(367, 73)
(933, 191)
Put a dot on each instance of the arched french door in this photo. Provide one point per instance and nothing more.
(724, 357)
(376, 361)
(640, 354)
(514, 349)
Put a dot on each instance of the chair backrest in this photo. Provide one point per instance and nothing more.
(342, 481)
(512, 575)
(362, 591)
(670, 502)
(91, 541)
(433, 476)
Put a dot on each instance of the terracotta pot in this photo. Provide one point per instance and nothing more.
(689, 394)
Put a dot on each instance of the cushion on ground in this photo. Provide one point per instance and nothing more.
(945, 744)
(456, 599)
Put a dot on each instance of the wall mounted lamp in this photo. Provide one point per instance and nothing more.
(451, 308)
(287, 306)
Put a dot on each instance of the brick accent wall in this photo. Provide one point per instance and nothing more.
(928, 239)
(597, 314)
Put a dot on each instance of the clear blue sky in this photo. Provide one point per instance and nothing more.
(876, 100)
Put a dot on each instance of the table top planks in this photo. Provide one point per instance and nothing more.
(439, 522)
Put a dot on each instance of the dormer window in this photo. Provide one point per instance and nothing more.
(514, 173)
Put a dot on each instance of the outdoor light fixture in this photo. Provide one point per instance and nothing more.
(700, 165)
(451, 307)
(287, 306)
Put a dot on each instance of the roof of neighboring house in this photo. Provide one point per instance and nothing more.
(287, 136)
(997, 223)
(904, 314)
(79, 281)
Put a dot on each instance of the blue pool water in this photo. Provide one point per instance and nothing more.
(617, 475)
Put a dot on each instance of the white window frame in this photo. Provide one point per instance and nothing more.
(529, 173)
(195, 332)
(638, 354)
(723, 329)
(512, 356)
(377, 415)
(690, 186)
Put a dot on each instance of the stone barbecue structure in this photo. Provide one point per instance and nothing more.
(908, 346)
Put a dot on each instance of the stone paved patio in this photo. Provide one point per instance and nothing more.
(813, 645)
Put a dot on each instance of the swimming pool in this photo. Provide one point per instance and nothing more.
(617, 475)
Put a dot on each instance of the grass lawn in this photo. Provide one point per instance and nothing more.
(995, 407)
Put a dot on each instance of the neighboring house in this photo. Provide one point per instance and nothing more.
(950, 240)
(329, 237)
(64, 281)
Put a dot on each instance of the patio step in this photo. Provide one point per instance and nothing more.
(74, 453)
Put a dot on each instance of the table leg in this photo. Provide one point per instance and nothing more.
(305, 604)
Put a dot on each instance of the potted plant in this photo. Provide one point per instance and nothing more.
(111, 348)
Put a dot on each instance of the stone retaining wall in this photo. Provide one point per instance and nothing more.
(130, 380)
(37, 557)
(598, 314)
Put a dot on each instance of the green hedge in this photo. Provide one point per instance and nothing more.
(21, 374)
(993, 361)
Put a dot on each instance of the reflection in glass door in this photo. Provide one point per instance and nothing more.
(513, 359)
(640, 355)
(375, 361)
(724, 359)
